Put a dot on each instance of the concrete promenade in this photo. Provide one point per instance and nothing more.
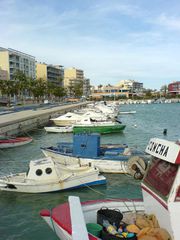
(17, 122)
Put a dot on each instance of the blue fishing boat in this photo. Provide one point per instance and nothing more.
(108, 158)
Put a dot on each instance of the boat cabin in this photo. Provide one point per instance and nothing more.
(42, 169)
(161, 184)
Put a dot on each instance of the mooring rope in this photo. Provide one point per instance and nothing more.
(27, 134)
(94, 190)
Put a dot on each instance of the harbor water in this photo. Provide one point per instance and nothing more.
(19, 213)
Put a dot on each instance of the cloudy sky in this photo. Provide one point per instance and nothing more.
(110, 40)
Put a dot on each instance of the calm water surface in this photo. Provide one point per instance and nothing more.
(19, 213)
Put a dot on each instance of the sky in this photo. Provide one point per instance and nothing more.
(110, 40)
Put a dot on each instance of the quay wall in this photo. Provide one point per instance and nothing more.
(24, 121)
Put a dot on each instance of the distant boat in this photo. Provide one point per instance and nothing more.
(45, 175)
(9, 142)
(129, 112)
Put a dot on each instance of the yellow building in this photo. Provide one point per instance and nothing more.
(101, 92)
(72, 76)
(50, 73)
(12, 61)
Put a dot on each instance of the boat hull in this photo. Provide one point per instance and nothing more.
(60, 221)
(10, 143)
(72, 182)
(59, 129)
(98, 129)
(104, 165)
(62, 123)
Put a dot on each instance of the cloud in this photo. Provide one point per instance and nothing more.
(117, 7)
(109, 40)
(170, 22)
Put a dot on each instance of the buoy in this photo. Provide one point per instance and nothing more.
(165, 131)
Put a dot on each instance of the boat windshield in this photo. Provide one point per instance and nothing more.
(160, 176)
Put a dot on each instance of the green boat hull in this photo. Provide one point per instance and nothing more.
(99, 129)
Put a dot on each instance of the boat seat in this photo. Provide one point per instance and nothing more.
(116, 157)
(113, 152)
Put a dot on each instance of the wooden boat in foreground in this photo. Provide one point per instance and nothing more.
(9, 142)
(161, 197)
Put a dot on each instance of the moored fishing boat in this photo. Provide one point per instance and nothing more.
(161, 201)
(44, 175)
(87, 125)
(109, 158)
(67, 129)
(67, 119)
(129, 112)
(9, 142)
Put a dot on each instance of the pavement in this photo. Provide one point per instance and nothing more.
(17, 116)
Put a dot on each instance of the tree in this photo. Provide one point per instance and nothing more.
(78, 89)
(38, 88)
(22, 83)
(75, 89)
(8, 87)
(59, 92)
(148, 94)
(164, 89)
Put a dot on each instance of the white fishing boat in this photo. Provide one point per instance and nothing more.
(44, 175)
(127, 112)
(108, 158)
(67, 119)
(67, 129)
(161, 199)
(10, 142)
(97, 116)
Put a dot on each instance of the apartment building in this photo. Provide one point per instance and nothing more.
(174, 88)
(86, 87)
(73, 76)
(12, 60)
(131, 85)
(3, 74)
(51, 73)
(101, 92)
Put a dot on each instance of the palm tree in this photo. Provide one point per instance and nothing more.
(39, 89)
(8, 87)
(22, 82)
(59, 92)
(164, 89)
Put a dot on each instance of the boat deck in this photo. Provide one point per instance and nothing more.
(61, 213)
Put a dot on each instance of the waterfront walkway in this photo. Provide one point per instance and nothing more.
(39, 114)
